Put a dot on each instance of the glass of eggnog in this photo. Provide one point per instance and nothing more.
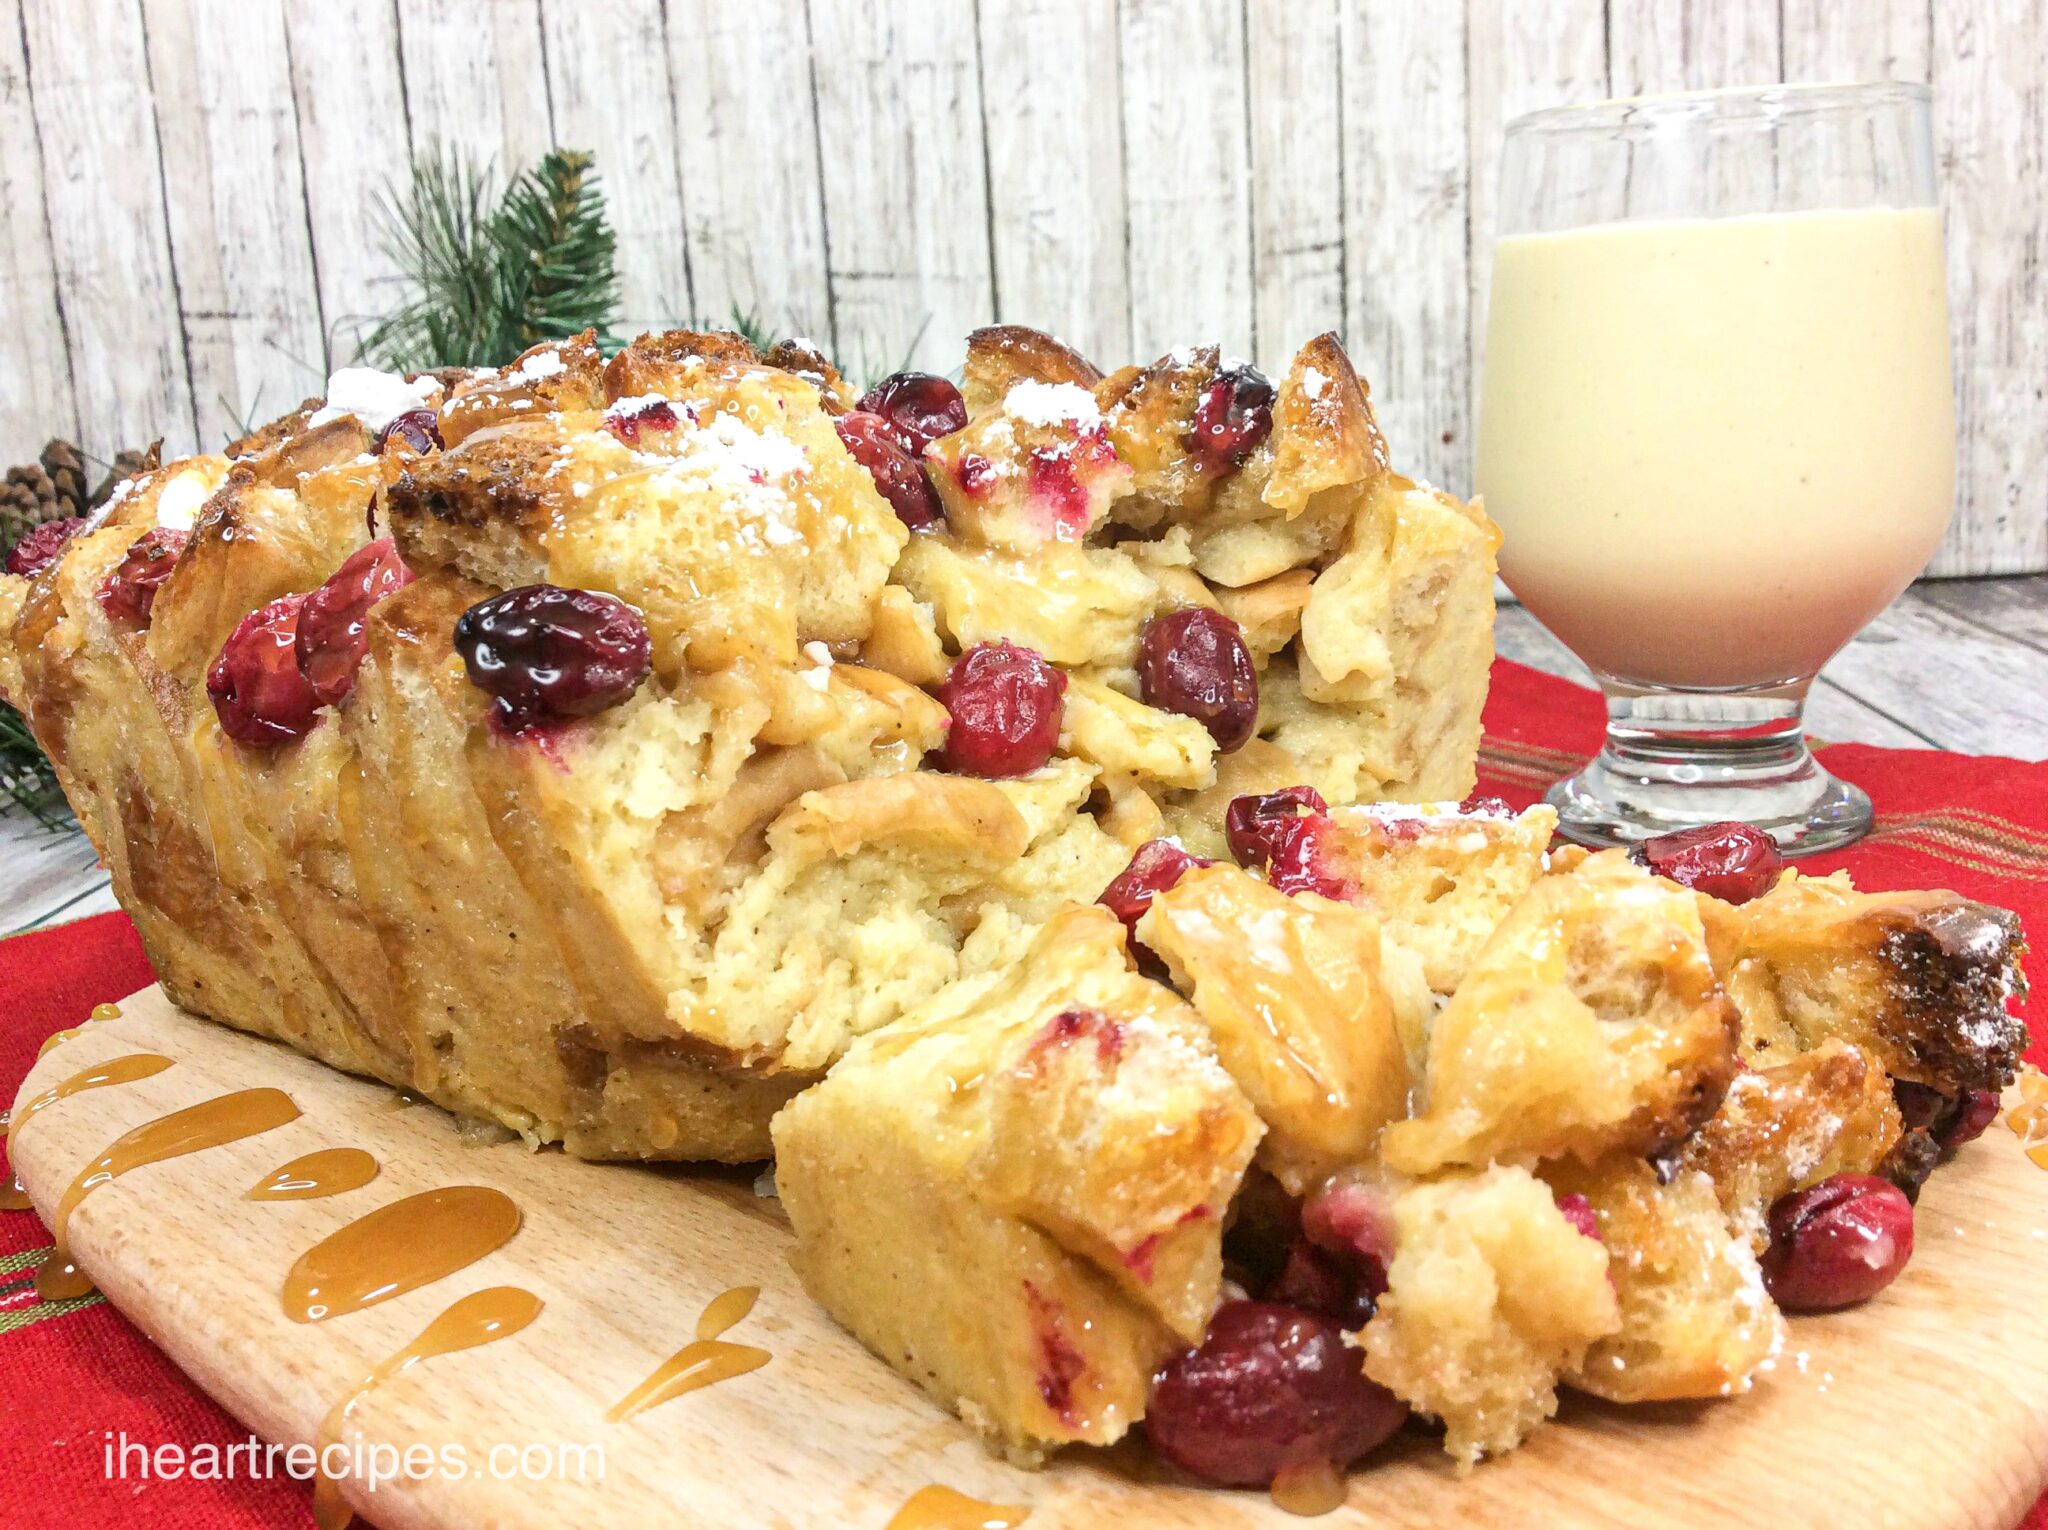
(1716, 427)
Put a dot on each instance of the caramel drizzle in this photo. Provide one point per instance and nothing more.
(940, 1508)
(12, 1196)
(705, 1361)
(213, 1123)
(484, 1317)
(1309, 1488)
(118, 1070)
(398, 1248)
(331, 1171)
(100, 1014)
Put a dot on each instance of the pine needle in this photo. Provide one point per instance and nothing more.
(26, 778)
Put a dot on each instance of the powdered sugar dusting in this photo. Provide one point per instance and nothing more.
(1049, 404)
(374, 397)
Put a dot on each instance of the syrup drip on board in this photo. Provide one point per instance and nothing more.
(1309, 1488)
(331, 1171)
(100, 1014)
(398, 1248)
(213, 1123)
(116, 1070)
(481, 1318)
(940, 1508)
(705, 1361)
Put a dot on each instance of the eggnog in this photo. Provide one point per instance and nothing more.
(1718, 447)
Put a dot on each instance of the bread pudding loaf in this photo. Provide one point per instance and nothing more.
(636, 902)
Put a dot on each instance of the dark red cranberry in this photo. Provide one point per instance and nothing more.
(1971, 1116)
(546, 653)
(129, 593)
(1006, 704)
(1254, 824)
(1486, 807)
(1194, 661)
(1232, 416)
(419, 429)
(1730, 861)
(1838, 1243)
(258, 693)
(1302, 862)
(332, 635)
(42, 545)
(1342, 1287)
(976, 475)
(873, 443)
(1578, 1211)
(1155, 866)
(1353, 1219)
(626, 422)
(919, 406)
(1270, 1387)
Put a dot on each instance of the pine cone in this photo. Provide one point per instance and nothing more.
(26, 500)
(66, 470)
(126, 465)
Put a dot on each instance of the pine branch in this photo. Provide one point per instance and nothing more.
(556, 253)
(438, 236)
(26, 778)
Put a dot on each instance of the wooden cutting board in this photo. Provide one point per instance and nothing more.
(1927, 1410)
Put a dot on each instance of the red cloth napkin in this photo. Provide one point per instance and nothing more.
(75, 1375)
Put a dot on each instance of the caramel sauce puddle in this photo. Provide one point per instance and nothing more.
(481, 1318)
(398, 1248)
(331, 1171)
(213, 1123)
(940, 1508)
(705, 1361)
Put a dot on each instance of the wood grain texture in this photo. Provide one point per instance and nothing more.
(1295, 73)
(1187, 171)
(599, 56)
(1657, 46)
(1408, 306)
(1991, 136)
(36, 400)
(237, 216)
(476, 79)
(906, 195)
(753, 205)
(625, 1259)
(1872, 40)
(1056, 170)
(103, 183)
(349, 97)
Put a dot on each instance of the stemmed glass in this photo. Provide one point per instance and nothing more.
(1717, 428)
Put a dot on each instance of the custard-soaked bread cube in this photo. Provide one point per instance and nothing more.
(1002, 355)
(553, 376)
(730, 514)
(1014, 1195)
(1418, 748)
(1292, 989)
(1591, 1022)
(1828, 1111)
(1695, 1318)
(1072, 605)
(1129, 739)
(1440, 877)
(1037, 468)
(1920, 980)
(1492, 1295)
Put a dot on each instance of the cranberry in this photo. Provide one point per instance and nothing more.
(419, 429)
(1972, 1115)
(129, 593)
(626, 421)
(1232, 416)
(1838, 1243)
(1730, 861)
(1254, 825)
(1006, 704)
(873, 442)
(919, 407)
(1486, 807)
(1155, 866)
(258, 693)
(1578, 1211)
(547, 653)
(42, 545)
(1350, 1218)
(332, 636)
(1270, 1387)
(1344, 1288)
(1194, 661)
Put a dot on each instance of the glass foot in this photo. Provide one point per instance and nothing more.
(1678, 761)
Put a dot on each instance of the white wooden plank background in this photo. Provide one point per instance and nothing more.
(185, 185)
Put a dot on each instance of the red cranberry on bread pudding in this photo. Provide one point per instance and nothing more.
(919, 406)
(419, 429)
(1270, 1387)
(1232, 416)
(1006, 704)
(1254, 824)
(332, 636)
(1154, 867)
(1194, 661)
(1837, 1243)
(547, 654)
(258, 693)
(899, 477)
(42, 545)
(1730, 861)
(128, 594)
